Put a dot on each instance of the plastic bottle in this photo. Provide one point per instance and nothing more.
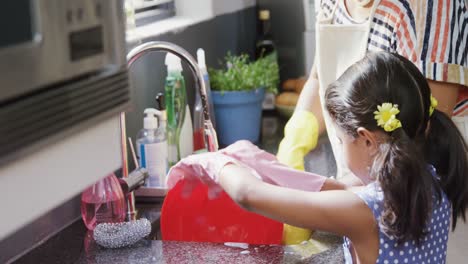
(103, 202)
(186, 135)
(152, 148)
(175, 96)
(198, 135)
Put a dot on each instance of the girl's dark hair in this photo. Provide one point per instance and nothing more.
(401, 166)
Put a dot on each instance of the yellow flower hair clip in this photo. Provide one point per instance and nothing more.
(386, 116)
(433, 106)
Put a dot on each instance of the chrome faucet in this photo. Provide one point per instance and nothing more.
(211, 141)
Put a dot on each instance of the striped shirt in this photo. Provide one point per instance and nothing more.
(433, 34)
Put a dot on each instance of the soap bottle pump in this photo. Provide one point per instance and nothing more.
(161, 107)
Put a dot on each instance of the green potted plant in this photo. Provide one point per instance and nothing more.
(238, 90)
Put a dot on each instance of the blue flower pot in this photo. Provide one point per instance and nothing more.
(238, 115)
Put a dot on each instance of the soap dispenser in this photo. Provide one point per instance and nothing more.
(152, 148)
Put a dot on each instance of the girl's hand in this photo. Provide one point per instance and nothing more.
(271, 170)
(261, 164)
(248, 153)
(204, 167)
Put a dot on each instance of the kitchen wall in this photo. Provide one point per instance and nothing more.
(233, 32)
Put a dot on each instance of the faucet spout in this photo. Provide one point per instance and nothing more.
(211, 141)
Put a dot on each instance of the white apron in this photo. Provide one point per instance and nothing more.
(337, 48)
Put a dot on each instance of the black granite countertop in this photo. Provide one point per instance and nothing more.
(156, 251)
(75, 244)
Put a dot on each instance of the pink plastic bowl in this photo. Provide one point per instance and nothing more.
(197, 218)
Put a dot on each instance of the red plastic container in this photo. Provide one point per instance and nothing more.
(197, 218)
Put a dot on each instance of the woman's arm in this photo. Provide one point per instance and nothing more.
(302, 130)
(340, 212)
(446, 94)
(309, 99)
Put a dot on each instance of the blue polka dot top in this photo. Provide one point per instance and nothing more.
(433, 248)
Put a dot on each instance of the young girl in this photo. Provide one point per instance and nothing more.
(410, 155)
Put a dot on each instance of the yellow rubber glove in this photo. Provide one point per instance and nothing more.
(295, 235)
(300, 137)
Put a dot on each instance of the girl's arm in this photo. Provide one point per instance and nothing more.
(339, 212)
(349, 182)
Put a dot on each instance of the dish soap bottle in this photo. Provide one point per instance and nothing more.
(103, 202)
(198, 125)
(152, 148)
(175, 95)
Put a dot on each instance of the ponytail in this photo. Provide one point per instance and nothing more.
(408, 187)
(446, 150)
